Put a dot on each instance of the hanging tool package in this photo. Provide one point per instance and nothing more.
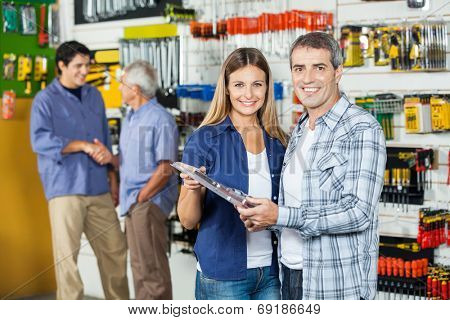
(406, 177)
(418, 46)
(383, 107)
(163, 54)
(98, 10)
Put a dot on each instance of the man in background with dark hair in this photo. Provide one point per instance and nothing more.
(69, 134)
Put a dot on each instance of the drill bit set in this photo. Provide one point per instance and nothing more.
(418, 46)
(406, 177)
(432, 225)
(426, 113)
(440, 112)
(417, 113)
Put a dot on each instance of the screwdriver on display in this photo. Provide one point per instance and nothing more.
(399, 189)
(394, 183)
(386, 186)
(406, 182)
(418, 169)
(413, 247)
(427, 164)
(389, 195)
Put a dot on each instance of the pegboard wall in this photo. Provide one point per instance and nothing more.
(99, 35)
(369, 80)
(25, 45)
(202, 67)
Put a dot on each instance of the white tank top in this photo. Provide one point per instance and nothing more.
(291, 241)
(259, 244)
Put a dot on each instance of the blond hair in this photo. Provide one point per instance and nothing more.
(221, 105)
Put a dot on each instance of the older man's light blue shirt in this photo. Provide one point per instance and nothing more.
(149, 135)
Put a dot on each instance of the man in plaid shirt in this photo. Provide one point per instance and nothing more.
(330, 185)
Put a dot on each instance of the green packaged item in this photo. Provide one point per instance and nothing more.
(9, 14)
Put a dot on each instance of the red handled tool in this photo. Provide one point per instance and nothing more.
(43, 34)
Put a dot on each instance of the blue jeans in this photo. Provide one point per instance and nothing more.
(259, 285)
(292, 287)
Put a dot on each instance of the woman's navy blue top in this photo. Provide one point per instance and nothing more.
(221, 246)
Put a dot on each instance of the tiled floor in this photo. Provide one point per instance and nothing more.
(48, 296)
(51, 296)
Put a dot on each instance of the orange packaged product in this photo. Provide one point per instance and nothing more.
(8, 104)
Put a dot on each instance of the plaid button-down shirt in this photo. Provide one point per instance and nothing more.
(338, 215)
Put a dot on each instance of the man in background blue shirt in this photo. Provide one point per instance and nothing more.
(148, 188)
(69, 132)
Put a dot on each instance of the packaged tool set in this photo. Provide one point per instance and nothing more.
(420, 46)
(417, 279)
(271, 32)
(406, 177)
(100, 10)
(407, 271)
(8, 104)
(383, 107)
(162, 53)
(433, 228)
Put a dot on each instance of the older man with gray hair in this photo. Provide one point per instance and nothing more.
(148, 189)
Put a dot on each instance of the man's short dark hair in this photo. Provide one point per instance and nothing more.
(68, 50)
(319, 40)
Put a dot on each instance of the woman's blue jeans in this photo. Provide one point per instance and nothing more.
(259, 285)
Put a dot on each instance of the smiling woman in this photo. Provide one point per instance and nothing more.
(240, 145)
(247, 90)
(246, 68)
